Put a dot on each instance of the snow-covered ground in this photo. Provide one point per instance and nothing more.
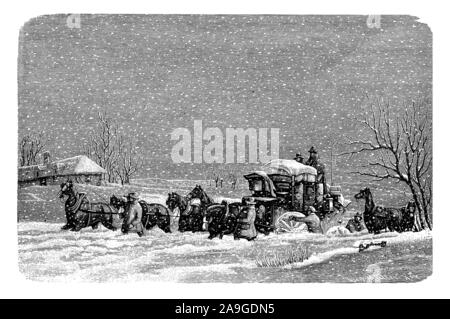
(48, 254)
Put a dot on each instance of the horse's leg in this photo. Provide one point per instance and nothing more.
(95, 221)
(199, 220)
(67, 227)
(181, 224)
(77, 227)
(212, 233)
(166, 224)
(194, 223)
(107, 222)
(212, 229)
(152, 222)
(163, 221)
(95, 225)
(125, 228)
(222, 229)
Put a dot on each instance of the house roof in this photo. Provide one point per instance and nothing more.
(78, 165)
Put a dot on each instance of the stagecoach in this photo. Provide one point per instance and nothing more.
(285, 189)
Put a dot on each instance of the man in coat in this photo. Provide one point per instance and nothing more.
(313, 161)
(246, 222)
(299, 158)
(356, 224)
(133, 215)
(311, 220)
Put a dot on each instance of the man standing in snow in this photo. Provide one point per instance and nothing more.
(246, 222)
(133, 215)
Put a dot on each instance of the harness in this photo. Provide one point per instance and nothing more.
(76, 206)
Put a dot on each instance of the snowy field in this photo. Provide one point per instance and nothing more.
(48, 254)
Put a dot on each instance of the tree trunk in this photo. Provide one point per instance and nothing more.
(419, 208)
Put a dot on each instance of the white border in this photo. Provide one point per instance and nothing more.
(12, 283)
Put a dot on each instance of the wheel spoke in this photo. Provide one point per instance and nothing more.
(287, 226)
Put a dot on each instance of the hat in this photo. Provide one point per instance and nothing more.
(298, 155)
(312, 150)
(133, 195)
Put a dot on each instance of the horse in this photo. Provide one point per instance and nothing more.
(190, 215)
(378, 218)
(152, 214)
(198, 192)
(205, 202)
(408, 216)
(222, 219)
(81, 213)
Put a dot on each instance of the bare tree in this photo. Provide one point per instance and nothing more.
(128, 161)
(102, 145)
(109, 149)
(29, 148)
(400, 149)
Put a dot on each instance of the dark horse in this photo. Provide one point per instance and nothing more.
(152, 214)
(378, 218)
(408, 213)
(222, 218)
(205, 203)
(190, 216)
(192, 208)
(81, 213)
(198, 192)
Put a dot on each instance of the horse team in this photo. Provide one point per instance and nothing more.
(198, 212)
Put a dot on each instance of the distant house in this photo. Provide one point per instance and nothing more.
(80, 169)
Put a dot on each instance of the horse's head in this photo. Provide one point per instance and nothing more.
(65, 188)
(363, 193)
(172, 201)
(117, 202)
(199, 193)
(196, 192)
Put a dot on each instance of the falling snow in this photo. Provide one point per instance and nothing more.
(307, 75)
